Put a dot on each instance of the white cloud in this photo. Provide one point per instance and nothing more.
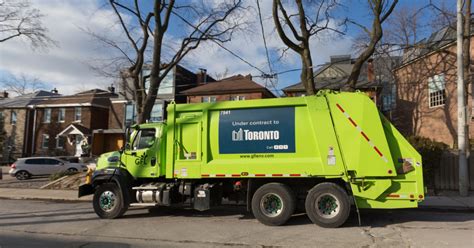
(62, 67)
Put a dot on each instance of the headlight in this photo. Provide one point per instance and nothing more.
(113, 159)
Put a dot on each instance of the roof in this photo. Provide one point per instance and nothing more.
(95, 97)
(74, 129)
(23, 101)
(437, 40)
(234, 84)
(382, 70)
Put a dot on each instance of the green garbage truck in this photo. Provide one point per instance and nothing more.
(323, 154)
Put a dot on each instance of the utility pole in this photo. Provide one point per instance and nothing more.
(463, 172)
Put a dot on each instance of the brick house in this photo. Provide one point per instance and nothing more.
(376, 78)
(17, 116)
(122, 112)
(426, 89)
(233, 88)
(64, 125)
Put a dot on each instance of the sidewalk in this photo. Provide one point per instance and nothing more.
(431, 202)
(42, 194)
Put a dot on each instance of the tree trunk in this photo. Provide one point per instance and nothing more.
(307, 75)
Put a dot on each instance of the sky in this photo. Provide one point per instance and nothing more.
(66, 66)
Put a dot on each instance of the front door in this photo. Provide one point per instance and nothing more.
(78, 144)
(142, 158)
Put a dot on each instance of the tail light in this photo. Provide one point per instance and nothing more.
(13, 166)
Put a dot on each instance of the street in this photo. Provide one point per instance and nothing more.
(25, 223)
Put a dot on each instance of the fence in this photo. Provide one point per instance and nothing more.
(446, 175)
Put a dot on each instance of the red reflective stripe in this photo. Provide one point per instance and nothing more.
(378, 151)
(204, 175)
(235, 175)
(259, 175)
(365, 136)
(277, 175)
(393, 195)
(352, 121)
(340, 108)
(220, 175)
(295, 175)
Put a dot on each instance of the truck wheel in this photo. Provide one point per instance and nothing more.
(273, 204)
(327, 205)
(108, 201)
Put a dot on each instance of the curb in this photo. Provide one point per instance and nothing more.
(85, 199)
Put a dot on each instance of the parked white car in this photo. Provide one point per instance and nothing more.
(24, 168)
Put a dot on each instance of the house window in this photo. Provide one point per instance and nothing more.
(13, 118)
(61, 114)
(237, 98)
(60, 141)
(45, 141)
(156, 113)
(436, 90)
(208, 99)
(130, 114)
(47, 115)
(77, 113)
(166, 85)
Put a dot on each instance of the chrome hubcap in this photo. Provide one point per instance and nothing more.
(327, 206)
(271, 205)
(107, 201)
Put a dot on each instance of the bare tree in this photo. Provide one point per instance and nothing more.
(147, 33)
(18, 18)
(296, 30)
(22, 84)
(380, 10)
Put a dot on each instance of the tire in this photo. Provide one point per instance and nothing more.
(278, 194)
(22, 175)
(327, 205)
(108, 201)
(72, 170)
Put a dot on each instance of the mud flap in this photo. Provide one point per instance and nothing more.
(85, 189)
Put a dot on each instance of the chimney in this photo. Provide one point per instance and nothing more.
(370, 70)
(5, 94)
(249, 77)
(55, 91)
(111, 88)
(201, 76)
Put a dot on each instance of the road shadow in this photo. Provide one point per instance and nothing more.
(60, 242)
(369, 218)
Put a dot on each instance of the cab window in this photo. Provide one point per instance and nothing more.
(144, 139)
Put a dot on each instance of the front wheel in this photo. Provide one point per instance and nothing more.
(108, 201)
(327, 205)
(273, 204)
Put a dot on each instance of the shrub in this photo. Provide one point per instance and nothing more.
(431, 152)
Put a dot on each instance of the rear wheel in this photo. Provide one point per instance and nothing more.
(22, 175)
(108, 201)
(273, 204)
(327, 205)
(72, 170)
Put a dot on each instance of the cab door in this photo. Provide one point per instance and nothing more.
(142, 158)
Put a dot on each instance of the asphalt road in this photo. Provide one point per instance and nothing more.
(25, 223)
